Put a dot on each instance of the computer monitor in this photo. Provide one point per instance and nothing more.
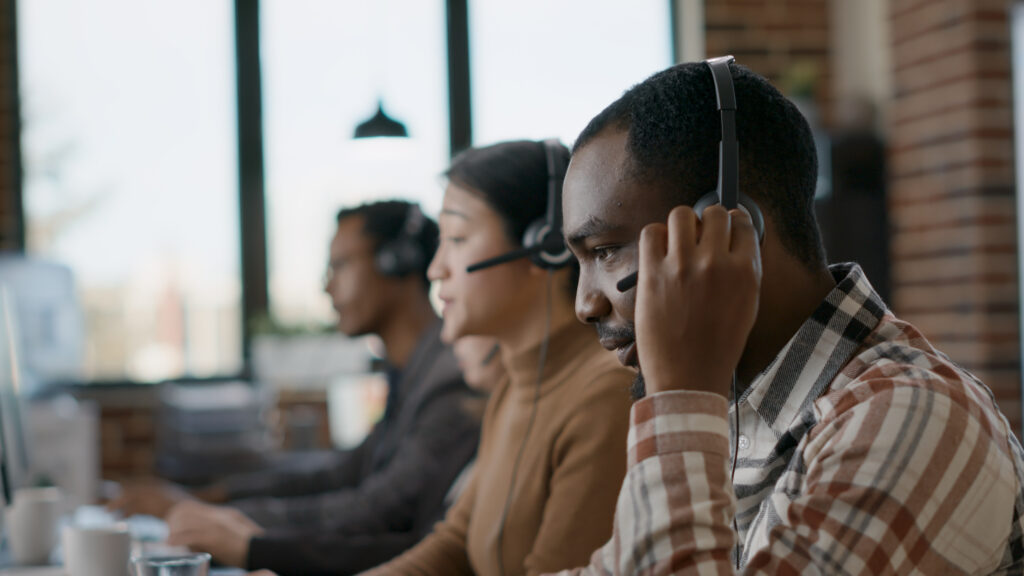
(45, 309)
(14, 459)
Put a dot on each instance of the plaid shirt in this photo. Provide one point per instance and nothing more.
(862, 450)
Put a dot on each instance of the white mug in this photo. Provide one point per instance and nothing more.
(97, 551)
(32, 525)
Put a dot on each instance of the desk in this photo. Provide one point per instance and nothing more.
(151, 528)
(6, 569)
(59, 571)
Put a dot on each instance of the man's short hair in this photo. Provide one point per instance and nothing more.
(385, 221)
(674, 129)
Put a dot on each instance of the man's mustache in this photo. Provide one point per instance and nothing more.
(627, 332)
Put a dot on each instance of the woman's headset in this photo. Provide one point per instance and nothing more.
(543, 242)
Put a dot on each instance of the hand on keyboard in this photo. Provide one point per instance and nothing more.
(151, 497)
(221, 531)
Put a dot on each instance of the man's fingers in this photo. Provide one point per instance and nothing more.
(743, 233)
(183, 516)
(181, 537)
(653, 246)
(684, 229)
(187, 533)
(714, 233)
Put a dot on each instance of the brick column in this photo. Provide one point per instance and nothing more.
(952, 185)
(772, 37)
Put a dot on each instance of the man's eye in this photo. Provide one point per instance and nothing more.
(455, 239)
(602, 253)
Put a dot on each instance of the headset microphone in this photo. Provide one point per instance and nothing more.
(507, 257)
(727, 193)
(628, 282)
(543, 243)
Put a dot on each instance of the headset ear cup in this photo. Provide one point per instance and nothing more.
(533, 235)
(553, 252)
(711, 198)
(403, 255)
(756, 217)
(385, 261)
(388, 260)
(399, 258)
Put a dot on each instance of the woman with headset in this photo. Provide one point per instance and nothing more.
(550, 460)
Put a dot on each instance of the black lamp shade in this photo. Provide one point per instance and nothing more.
(380, 124)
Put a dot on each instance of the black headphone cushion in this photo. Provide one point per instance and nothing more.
(400, 257)
(711, 198)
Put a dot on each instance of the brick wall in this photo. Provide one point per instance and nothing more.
(779, 39)
(127, 429)
(129, 421)
(952, 186)
(127, 442)
(949, 131)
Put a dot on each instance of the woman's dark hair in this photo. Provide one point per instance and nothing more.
(512, 178)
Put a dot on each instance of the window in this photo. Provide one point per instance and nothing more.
(130, 177)
(130, 153)
(541, 69)
(326, 65)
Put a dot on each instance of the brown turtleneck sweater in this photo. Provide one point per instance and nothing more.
(568, 478)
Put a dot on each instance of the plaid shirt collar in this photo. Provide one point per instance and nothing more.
(821, 347)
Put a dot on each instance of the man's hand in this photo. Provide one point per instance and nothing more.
(221, 531)
(697, 298)
(152, 496)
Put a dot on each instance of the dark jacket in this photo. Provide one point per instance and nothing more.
(293, 553)
(372, 502)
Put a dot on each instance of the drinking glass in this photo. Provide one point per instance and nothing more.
(185, 565)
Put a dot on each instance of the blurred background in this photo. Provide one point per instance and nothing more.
(170, 172)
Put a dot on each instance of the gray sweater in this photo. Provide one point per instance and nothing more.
(374, 501)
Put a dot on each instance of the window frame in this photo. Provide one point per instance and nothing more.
(251, 175)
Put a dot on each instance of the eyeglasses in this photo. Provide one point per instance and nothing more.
(336, 265)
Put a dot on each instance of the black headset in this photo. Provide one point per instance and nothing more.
(403, 254)
(543, 242)
(727, 192)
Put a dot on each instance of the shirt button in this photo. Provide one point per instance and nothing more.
(744, 442)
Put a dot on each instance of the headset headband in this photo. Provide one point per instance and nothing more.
(728, 148)
(556, 174)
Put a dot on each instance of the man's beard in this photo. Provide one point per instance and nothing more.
(639, 388)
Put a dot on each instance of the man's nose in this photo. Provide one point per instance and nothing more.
(591, 304)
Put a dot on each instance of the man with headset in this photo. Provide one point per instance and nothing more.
(855, 446)
(368, 504)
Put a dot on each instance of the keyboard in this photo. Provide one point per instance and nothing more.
(143, 528)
